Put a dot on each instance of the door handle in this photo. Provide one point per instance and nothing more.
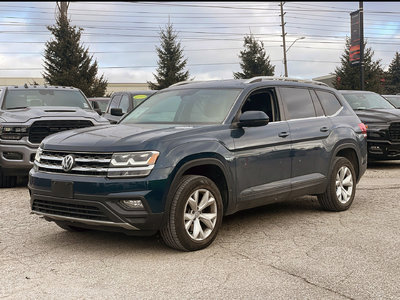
(283, 134)
(324, 129)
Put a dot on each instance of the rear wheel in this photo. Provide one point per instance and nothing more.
(341, 188)
(195, 215)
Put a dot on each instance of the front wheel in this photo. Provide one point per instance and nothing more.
(195, 214)
(7, 181)
(341, 188)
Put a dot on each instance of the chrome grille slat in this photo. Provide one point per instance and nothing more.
(86, 163)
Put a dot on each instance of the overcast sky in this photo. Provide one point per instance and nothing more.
(122, 36)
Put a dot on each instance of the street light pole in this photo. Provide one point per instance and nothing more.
(300, 38)
(283, 37)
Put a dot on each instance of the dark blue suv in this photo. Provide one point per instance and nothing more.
(195, 152)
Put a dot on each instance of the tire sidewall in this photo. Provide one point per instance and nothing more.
(183, 193)
(339, 163)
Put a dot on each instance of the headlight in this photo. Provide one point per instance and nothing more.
(132, 164)
(13, 132)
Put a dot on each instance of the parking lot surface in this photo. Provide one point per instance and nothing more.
(287, 250)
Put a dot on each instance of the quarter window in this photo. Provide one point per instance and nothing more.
(298, 103)
(124, 104)
(114, 103)
(329, 102)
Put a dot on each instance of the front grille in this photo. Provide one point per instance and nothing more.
(85, 163)
(394, 132)
(69, 210)
(40, 129)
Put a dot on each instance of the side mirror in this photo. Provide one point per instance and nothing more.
(116, 112)
(253, 118)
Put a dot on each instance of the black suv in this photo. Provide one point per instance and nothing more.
(195, 152)
(382, 120)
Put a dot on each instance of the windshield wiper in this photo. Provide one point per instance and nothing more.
(17, 107)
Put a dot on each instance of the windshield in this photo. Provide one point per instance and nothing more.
(366, 101)
(103, 103)
(44, 97)
(185, 106)
(395, 100)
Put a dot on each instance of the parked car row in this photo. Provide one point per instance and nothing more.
(195, 152)
(180, 160)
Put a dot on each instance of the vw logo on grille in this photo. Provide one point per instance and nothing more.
(68, 163)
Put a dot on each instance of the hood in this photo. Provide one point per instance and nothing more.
(378, 115)
(119, 137)
(23, 115)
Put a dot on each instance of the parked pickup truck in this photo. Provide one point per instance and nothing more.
(30, 113)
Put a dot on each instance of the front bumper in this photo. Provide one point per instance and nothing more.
(20, 165)
(94, 202)
(383, 150)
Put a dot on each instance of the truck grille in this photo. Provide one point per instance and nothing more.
(394, 132)
(85, 163)
(40, 129)
(69, 210)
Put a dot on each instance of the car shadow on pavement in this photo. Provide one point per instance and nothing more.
(383, 165)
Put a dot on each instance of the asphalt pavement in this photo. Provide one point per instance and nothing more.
(290, 250)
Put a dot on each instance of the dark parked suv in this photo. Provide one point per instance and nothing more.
(382, 120)
(195, 152)
(30, 113)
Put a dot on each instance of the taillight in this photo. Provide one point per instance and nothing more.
(363, 129)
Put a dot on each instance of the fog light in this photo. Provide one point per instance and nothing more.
(12, 155)
(136, 204)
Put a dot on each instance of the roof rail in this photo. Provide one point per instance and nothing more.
(183, 82)
(263, 78)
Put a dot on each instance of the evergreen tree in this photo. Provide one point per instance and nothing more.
(392, 76)
(171, 62)
(67, 63)
(348, 76)
(255, 62)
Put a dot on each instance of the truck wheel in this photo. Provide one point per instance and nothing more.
(7, 181)
(195, 214)
(341, 187)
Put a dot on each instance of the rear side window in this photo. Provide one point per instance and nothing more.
(298, 103)
(329, 102)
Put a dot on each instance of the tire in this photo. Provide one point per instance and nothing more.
(339, 194)
(190, 227)
(7, 181)
(70, 228)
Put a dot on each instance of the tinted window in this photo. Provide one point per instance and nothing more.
(44, 97)
(329, 102)
(263, 100)
(114, 102)
(124, 104)
(298, 102)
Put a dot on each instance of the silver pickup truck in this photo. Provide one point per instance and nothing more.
(30, 113)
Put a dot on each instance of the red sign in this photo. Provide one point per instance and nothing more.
(355, 37)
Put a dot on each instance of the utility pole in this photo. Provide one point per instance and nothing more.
(361, 45)
(62, 8)
(283, 37)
